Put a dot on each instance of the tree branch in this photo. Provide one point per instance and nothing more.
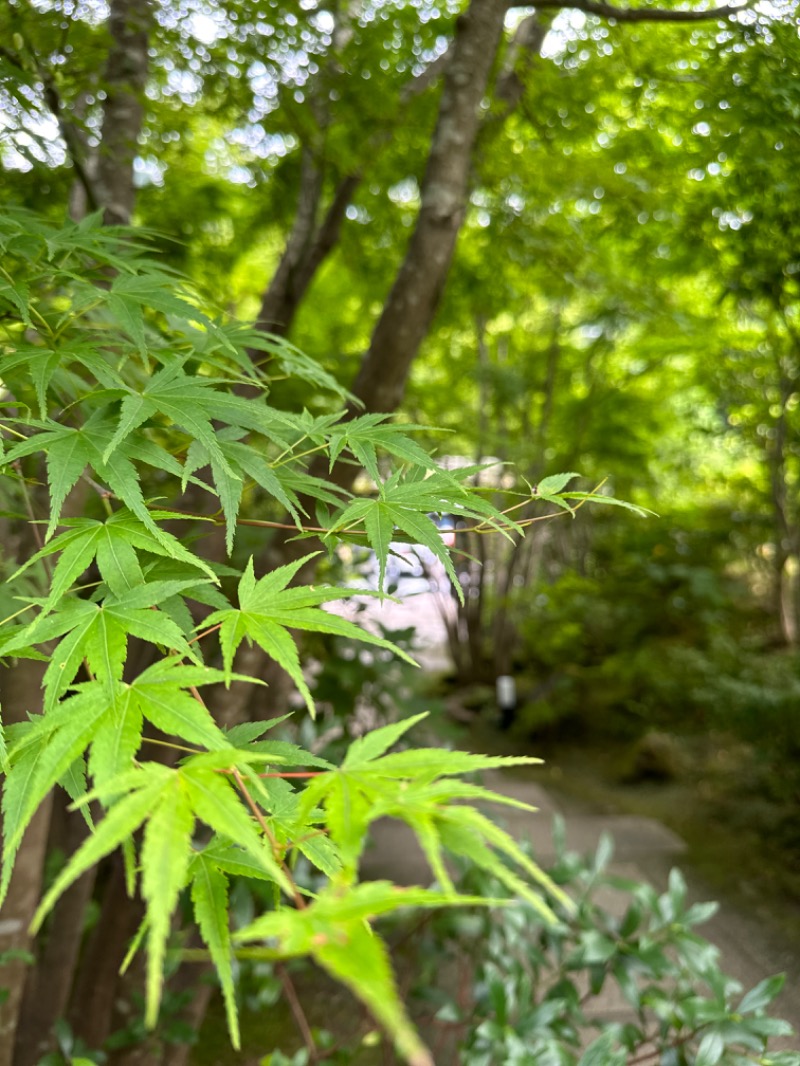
(72, 140)
(524, 48)
(642, 14)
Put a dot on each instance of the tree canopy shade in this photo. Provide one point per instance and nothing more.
(316, 127)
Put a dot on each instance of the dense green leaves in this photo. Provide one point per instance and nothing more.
(535, 990)
(123, 422)
(268, 610)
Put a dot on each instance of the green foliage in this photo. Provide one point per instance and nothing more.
(623, 977)
(120, 393)
(646, 635)
(533, 988)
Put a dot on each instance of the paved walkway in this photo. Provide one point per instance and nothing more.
(644, 850)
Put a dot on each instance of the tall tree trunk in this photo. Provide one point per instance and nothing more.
(49, 983)
(123, 112)
(785, 530)
(410, 308)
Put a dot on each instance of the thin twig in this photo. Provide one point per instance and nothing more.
(37, 533)
(206, 633)
(299, 902)
(298, 1012)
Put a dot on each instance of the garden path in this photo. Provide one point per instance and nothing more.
(751, 947)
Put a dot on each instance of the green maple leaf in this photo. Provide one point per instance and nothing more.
(334, 931)
(98, 633)
(168, 802)
(115, 544)
(161, 695)
(369, 432)
(16, 295)
(404, 507)
(210, 902)
(67, 455)
(268, 610)
(42, 757)
(195, 404)
(70, 451)
(166, 852)
(109, 717)
(415, 787)
(291, 361)
(40, 365)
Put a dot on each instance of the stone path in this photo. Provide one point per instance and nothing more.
(644, 850)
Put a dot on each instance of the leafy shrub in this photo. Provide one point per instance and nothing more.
(529, 993)
(653, 632)
(624, 978)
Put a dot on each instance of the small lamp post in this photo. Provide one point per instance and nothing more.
(506, 688)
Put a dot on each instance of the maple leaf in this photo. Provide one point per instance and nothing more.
(268, 610)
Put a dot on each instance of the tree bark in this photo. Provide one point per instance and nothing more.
(49, 983)
(308, 246)
(785, 526)
(95, 991)
(409, 310)
(20, 690)
(525, 46)
(311, 241)
(123, 111)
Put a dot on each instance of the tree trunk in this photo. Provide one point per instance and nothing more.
(94, 996)
(785, 534)
(20, 693)
(308, 246)
(123, 111)
(409, 310)
(311, 242)
(50, 982)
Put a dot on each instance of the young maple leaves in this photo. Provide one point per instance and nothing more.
(126, 390)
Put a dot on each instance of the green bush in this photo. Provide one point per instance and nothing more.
(529, 994)
(623, 979)
(653, 633)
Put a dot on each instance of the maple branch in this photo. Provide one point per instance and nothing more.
(277, 851)
(298, 1012)
(642, 14)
